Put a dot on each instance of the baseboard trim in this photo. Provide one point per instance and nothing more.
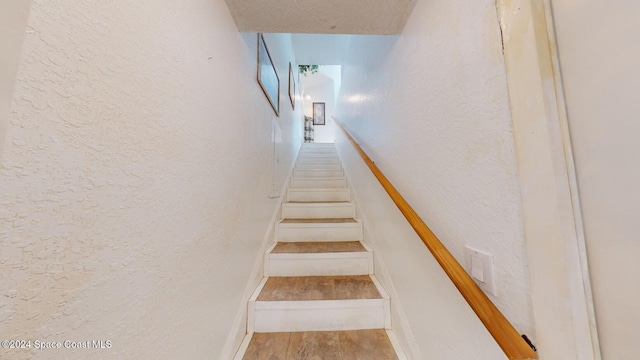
(239, 330)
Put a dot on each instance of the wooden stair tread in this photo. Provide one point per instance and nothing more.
(317, 202)
(353, 344)
(306, 288)
(319, 221)
(317, 247)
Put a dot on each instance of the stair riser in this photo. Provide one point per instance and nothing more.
(330, 315)
(320, 264)
(317, 173)
(318, 153)
(318, 211)
(313, 155)
(323, 159)
(319, 232)
(318, 196)
(318, 183)
(317, 158)
(316, 146)
(319, 166)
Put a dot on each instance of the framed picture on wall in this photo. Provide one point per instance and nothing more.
(292, 88)
(268, 76)
(318, 113)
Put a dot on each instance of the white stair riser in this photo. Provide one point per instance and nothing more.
(318, 157)
(318, 146)
(329, 315)
(319, 166)
(318, 211)
(314, 195)
(318, 153)
(318, 173)
(315, 156)
(313, 160)
(319, 232)
(329, 264)
(323, 183)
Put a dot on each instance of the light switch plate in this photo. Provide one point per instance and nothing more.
(480, 266)
(477, 268)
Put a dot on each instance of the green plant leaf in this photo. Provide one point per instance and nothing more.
(304, 69)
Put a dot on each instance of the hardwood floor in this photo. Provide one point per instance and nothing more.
(296, 288)
(321, 345)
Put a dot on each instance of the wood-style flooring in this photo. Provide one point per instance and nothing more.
(321, 345)
(315, 221)
(317, 247)
(302, 288)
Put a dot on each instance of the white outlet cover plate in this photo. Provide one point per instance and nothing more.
(488, 269)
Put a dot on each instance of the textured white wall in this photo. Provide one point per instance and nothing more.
(431, 109)
(334, 72)
(135, 178)
(599, 63)
(428, 313)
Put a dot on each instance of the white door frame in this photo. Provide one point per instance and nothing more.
(560, 284)
(14, 15)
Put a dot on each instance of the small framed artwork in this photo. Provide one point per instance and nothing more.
(318, 113)
(267, 76)
(292, 88)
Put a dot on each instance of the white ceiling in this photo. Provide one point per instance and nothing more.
(382, 17)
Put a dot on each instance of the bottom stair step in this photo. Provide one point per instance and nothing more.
(319, 303)
(326, 345)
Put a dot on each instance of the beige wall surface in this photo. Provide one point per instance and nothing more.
(600, 65)
(431, 109)
(135, 178)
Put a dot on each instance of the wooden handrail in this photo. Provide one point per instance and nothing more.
(502, 331)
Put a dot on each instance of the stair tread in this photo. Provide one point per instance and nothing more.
(318, 202)
(319, 189)
(307, 288)
(319, 221)
(319, 178)
(317, 247)
(353, 344)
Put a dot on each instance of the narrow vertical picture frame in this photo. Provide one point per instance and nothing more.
(318, 113)
(292, 88)
(268, 76)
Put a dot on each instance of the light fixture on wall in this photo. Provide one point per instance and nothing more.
(306, 96)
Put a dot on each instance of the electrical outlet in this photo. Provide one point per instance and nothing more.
(480, 266)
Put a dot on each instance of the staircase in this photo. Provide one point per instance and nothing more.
(319, 298)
